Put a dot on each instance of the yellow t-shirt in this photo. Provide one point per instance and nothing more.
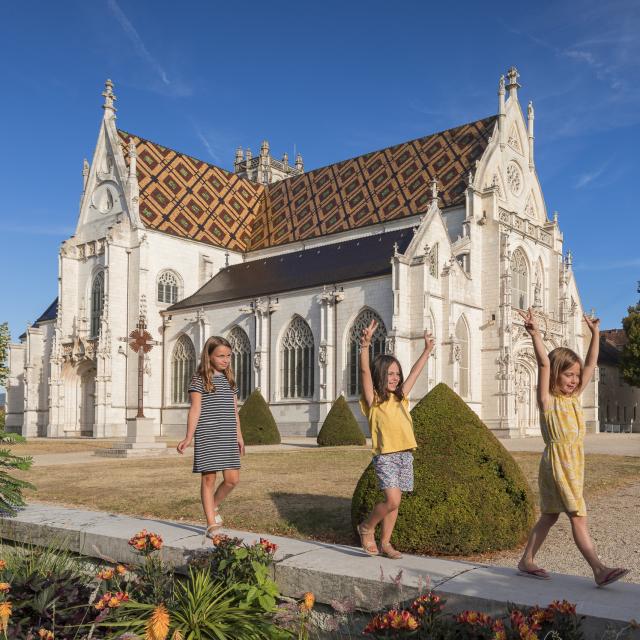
(391, 425)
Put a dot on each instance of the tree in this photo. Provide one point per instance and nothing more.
(11, 488)
(630, 359)
(5, 338)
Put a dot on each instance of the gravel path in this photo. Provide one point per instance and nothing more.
(614, 522)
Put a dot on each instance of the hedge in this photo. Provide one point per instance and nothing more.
(257, 423)
(340, 427)
(470, 496)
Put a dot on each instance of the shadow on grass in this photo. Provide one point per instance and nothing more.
(326, 518)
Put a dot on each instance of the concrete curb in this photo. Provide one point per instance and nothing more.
(334, 572)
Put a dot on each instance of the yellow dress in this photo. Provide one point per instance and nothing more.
(561, 474)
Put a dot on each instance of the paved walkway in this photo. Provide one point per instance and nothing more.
(335, 571)
(616, 444)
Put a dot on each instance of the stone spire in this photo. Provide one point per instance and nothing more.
(109, 99)
(285, 159)
(530, 118)
(502, 114)
(513, 86)
(299, 163)
(434, 191)
(239, 157)
(132, 179)
(85, 174)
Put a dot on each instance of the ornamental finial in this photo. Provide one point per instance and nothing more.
(109, 97)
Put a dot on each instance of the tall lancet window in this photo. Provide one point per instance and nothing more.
(97, 303)
(519, 281)
(462, 357)
(183, 364)
(168, 287)
(353, 354)
(297, 360)
(241, 361)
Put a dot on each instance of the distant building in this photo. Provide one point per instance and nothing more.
(618, 400)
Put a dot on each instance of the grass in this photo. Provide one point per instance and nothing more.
(35, 447)
(303, 493)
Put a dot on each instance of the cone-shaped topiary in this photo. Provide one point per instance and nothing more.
(256, 421)
(469, 496)
(340, 427)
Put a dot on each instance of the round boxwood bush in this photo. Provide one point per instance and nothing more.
(469, 496)
(340, 427)
(256, 421)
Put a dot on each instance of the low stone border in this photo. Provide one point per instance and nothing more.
(334, 572)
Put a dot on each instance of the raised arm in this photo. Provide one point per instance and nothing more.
(418, 366)
(541, 356)
(365, 365)
(591, 361)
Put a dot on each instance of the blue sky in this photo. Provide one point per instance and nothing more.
(331, 79)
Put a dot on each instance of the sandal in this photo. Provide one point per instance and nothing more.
(218, 518)
(388, 551)
(210, 532)
(612, 576)
(368, 547)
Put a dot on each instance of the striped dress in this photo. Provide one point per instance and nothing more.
(216, 437)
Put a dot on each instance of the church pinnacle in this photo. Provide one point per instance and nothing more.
(109, 98)
(513, 85)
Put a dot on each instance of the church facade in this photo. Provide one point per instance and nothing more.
(448, 232)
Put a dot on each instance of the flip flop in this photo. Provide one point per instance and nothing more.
(613, 576)
(538, 574)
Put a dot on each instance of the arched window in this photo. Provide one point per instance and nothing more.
(97, 303)
(297, 360)
(377, 346)
(462, 357)
(168, 287)
(183, 364)
(241, 361)
(519, 281)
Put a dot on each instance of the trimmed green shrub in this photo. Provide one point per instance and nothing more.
(469, 496)
(256, 421)
(340, 427)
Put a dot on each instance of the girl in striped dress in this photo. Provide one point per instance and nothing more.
(214, 423)
(562, 377)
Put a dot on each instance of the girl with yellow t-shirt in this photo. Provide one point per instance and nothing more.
(385, 404)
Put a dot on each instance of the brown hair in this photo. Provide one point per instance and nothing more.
(205, 369)
(560, 359)
(379, 371)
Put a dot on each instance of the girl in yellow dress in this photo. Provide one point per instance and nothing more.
(561, 379)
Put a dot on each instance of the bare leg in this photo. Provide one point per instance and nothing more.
(379, 514)
(389, 521)
(231, 477)
(537, 536)
(207, 486)
(582, 538)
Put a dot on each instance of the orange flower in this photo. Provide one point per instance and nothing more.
(121, 570)
(308, 600)
(105, 574)
(5, 614)
(158, 624)
(3, 565)
(177, 635)
(45, 634)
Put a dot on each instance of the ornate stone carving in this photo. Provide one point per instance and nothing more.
(514, 178)
(390, 345)
(257, 360)
(322, 354)
(514, 141)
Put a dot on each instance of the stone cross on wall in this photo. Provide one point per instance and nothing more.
(141, 343)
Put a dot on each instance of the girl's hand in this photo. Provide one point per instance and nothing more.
(367, 334)
(183, 445)
(429, 342)
(592, 323)
(529, 322)
(241, 446)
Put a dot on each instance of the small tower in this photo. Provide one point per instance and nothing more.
(530, 117)
(264, 168)
(109, 99)
(502, 114)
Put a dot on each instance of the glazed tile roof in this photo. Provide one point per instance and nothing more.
(193, 199)
(337, 262)
(190, 198)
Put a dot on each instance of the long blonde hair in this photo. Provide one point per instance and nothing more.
(560, 359)
(205, 369)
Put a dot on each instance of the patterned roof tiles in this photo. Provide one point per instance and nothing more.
(193, 199)
(187, 197)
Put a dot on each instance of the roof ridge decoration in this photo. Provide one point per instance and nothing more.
(193, 199)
